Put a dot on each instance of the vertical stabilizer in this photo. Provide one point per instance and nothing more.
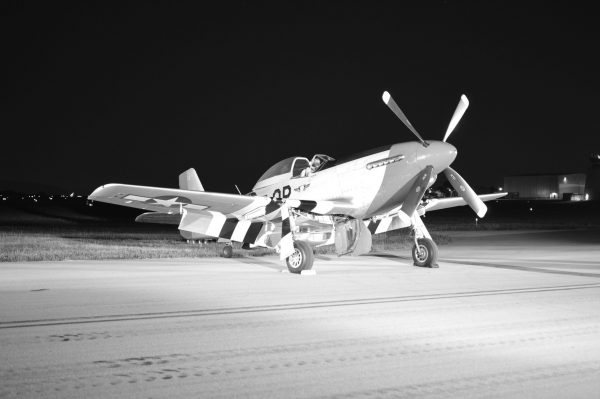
(189, 180)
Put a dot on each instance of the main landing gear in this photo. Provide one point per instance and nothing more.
(424, 251)
(301, 259)
(227, 251)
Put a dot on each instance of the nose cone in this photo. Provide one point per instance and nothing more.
(438, 154)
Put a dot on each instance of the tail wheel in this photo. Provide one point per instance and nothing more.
(227, 251)
(426, 253)
(301, 259)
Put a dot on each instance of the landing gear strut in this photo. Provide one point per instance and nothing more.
(301, 259)
(425, 251)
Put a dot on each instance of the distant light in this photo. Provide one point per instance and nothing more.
(499, 188)
(565, 179)
(587, 197)
(530, 209)
(553, 195)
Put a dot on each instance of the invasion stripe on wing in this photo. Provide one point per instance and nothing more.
(253, 232)
(240, 231)
(384, 225)
(307, 206)
(285, 222)
(228, 227)
(373, 226)
(216, 223)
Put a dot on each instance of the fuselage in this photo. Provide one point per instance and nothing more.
(373, 182)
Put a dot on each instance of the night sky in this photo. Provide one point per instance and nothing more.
(136, 94)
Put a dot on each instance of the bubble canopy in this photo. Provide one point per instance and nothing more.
(293, 165)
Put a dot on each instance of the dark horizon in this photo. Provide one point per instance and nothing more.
(138, 93)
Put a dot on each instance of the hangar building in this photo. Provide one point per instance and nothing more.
(551, 186)
(592, 184)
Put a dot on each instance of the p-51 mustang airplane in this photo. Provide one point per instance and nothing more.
(299, 204)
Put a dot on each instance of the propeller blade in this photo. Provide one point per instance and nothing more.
(465, 191)
(389, 101)
(413, 199)
(462, 106)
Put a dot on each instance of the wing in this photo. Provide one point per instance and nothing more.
(393, 221)
(443, 203)
(253, 220)
(172, 200)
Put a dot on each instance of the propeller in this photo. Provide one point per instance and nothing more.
(465, 191)
(462, 106)
(389, 101)
(456, 180)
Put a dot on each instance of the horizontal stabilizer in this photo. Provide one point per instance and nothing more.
(189, 180)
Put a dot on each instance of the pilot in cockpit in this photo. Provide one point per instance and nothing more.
(317, 163)
(314, 165)
(312, 168)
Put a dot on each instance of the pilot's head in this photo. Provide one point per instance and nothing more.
(316, 163)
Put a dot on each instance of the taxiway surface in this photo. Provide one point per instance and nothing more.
(505, 315)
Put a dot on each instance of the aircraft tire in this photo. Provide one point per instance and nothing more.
(301, 259)
(227, 251)
(428, 254)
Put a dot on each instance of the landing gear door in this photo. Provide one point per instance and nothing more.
(352, 236)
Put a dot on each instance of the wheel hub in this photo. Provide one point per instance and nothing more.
(422, 253)
(295, 259)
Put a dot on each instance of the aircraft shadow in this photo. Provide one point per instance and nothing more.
(252, 260)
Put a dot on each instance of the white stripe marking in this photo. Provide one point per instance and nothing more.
(216, 224)
(383, 226)
(323, 207)
(240, 230)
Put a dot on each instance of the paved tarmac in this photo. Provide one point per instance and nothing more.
(506, 315)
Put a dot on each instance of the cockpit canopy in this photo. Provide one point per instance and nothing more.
(319, 161)
(295, 166)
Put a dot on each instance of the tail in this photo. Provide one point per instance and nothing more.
(189, 180)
